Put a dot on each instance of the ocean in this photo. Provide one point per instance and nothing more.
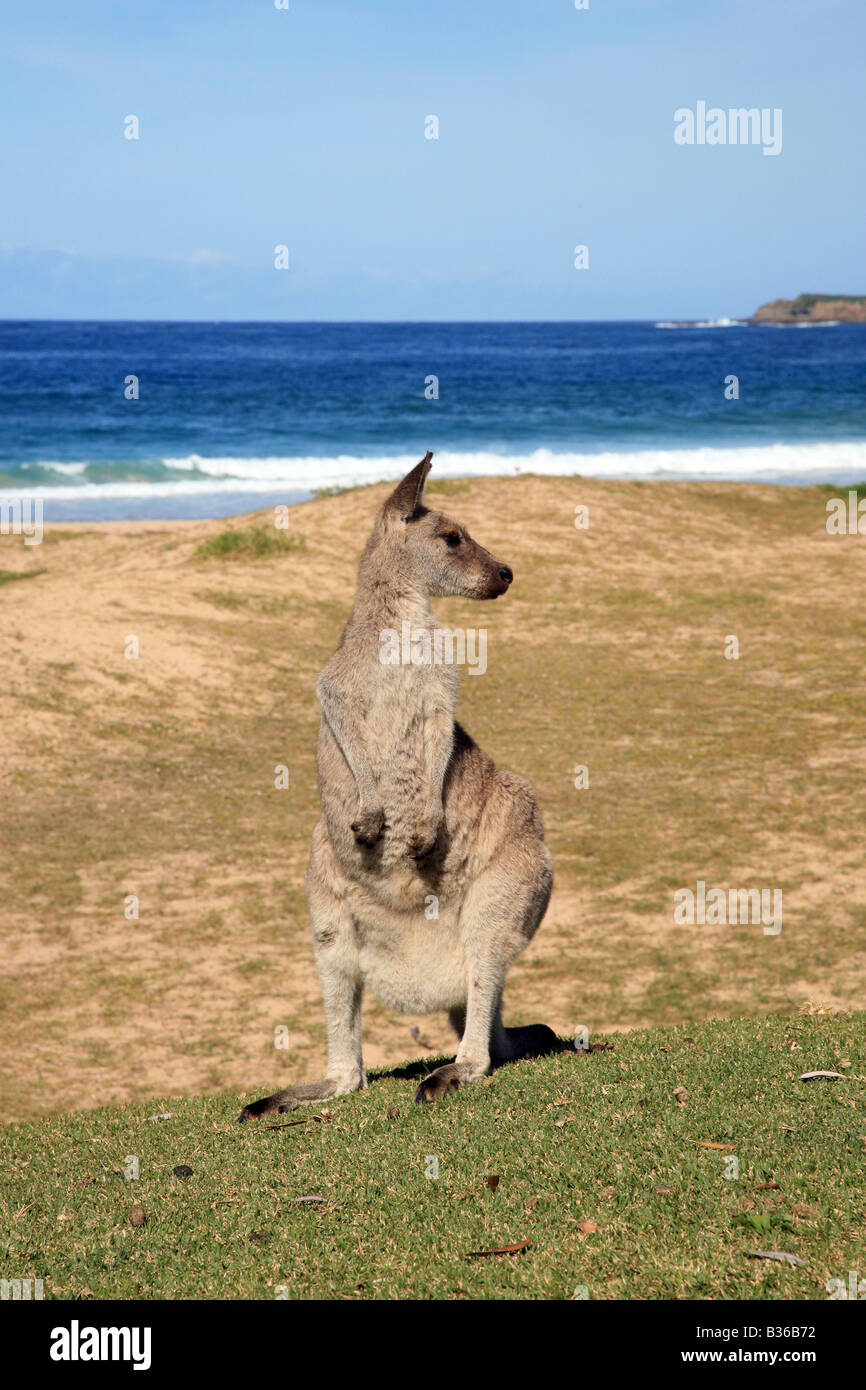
(158, 420)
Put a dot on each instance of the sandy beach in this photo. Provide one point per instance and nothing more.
(154, 775)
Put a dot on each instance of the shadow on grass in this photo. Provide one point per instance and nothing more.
(414, 1071)
(536, 1048)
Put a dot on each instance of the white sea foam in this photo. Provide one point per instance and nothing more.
(809, 323)
(70, 470)
(769, 462)
(706, 323)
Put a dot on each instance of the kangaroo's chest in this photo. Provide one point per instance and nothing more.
(402, 708)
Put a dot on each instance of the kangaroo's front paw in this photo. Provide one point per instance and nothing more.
(368, 826)
(424, 836)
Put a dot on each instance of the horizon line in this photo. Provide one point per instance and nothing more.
(744, 319)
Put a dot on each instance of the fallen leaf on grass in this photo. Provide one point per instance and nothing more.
(665, 1191)
(313, 1198)
(587, 1227)
(493, 1181)
(829, 1075)
(680, 1095)
(781, 1255)
(182, 1170)
(767, 1187)
(137, 1216)
(500, 1250)
(392, 1113)
(711, 1144)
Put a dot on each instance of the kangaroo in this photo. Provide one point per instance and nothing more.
(416, 820)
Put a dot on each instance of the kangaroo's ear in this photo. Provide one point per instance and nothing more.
(406, 497)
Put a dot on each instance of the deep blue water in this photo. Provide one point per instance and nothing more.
(236, 415)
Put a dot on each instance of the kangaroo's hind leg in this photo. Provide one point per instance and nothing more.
(499, 917)
(337, 962)
(510, 1044)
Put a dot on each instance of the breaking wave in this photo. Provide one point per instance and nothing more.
(813, 461)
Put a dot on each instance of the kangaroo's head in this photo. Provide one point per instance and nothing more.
(429, 550)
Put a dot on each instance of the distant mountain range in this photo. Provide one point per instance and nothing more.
(813, 308)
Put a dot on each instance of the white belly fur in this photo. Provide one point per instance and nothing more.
(413, 965)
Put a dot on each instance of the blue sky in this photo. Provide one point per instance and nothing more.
(305, 127)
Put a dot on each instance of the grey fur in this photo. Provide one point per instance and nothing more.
(411, 807)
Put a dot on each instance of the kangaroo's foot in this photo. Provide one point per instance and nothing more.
(535, 1040)
(293, 1096)
(448, 1078)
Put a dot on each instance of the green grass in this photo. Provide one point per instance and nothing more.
(448, 487)
(336, 490)
(806, 301)
(254, 542)
(577, 1138)
(842, 490)
(10, 576)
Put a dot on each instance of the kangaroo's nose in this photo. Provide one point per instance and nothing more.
(505, 574)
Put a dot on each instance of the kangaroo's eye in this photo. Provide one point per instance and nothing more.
(452, 539)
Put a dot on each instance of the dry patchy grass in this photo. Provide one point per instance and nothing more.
(155, 776)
